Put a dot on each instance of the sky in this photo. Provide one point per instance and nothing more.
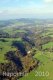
(14, 9)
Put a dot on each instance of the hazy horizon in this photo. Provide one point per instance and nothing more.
(15, 9)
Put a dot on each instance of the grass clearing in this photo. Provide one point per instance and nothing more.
(6, 46)
(45, 66)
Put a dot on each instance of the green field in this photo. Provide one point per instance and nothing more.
(45, 56)
(6, 46)
(46, 62)
(48, 45)
(48, 32)
(12, 31)
(46, 65)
